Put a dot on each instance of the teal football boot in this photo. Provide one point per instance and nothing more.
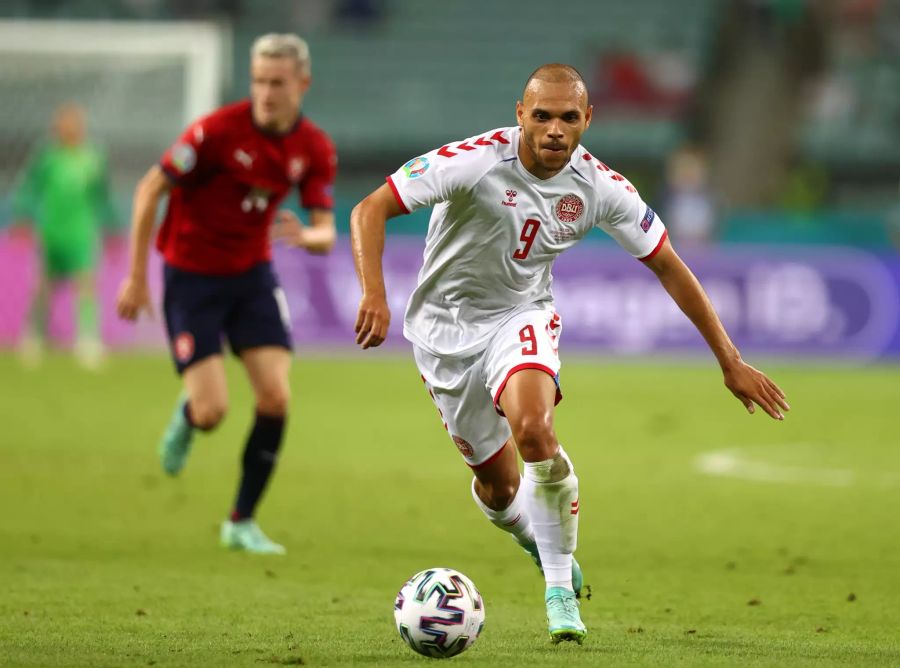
(247, 536)
(175, 445)
(563, 619)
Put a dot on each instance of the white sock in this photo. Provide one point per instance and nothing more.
(513, 519)
(551, 497)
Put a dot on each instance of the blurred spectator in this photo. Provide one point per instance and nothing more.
(857, 26)
(64, 194)
(689, 209)
(674, 77)
(659, 84)
(620, 82)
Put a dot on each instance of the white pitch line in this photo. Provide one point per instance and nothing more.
(733, 464)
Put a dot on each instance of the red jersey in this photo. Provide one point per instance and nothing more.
(229, 178)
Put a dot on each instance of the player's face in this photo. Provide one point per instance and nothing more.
(276, 88)
(553, 116)
(69, 125)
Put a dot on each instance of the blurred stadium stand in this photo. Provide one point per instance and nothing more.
(394, 78)
(792, 107)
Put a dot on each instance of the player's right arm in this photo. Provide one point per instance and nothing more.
(367, 222)
(134, 294)
(27, 195)
(438, 176)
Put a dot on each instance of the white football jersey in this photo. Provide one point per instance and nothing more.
(496, 230)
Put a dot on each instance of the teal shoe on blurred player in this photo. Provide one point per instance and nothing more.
(175, 445)
(577, 576)
(247, 536)
(563, 618)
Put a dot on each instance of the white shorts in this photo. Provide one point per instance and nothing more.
(467, 391)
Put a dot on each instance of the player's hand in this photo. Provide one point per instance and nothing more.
(134, 297)
(288, 229)
(372, 321)
(20, 230)
(752, 386)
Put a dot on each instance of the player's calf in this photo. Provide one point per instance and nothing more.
(511, 518)
(260, 456)
(551, 498)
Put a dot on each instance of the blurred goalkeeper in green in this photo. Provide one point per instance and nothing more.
(65, 196)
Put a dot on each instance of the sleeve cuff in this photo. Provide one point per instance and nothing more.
(659, 245)
(396, 192)
(169, 172)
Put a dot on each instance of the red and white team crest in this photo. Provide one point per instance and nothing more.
(464, 446)
(569, 208)
(184, 347)
(295, 169)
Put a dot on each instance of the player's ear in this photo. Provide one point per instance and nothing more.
(588, 114)
(520, 113)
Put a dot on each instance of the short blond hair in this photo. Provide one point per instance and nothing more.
(283, 45)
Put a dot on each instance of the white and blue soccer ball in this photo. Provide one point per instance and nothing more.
(439, 612)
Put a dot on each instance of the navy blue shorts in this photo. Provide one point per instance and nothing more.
(249, 309)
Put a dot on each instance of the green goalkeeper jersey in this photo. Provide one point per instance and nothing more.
(65, 192)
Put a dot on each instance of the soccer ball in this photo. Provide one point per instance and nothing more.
(439, 612)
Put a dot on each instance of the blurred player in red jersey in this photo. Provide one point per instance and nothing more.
(225, 177)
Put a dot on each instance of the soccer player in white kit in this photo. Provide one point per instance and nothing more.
(482, 322)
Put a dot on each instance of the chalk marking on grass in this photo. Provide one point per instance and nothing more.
(733, 463)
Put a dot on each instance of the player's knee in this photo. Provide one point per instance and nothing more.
(502, 495)
(535, 437)
(207, 415)
(274, 401)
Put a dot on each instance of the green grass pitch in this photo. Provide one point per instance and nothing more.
(790, 556)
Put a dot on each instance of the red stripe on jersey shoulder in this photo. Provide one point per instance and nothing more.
(446, 151)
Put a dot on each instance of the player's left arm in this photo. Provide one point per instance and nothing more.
(317, 196)
(746, 383)
(27, 195)
(317, 238)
